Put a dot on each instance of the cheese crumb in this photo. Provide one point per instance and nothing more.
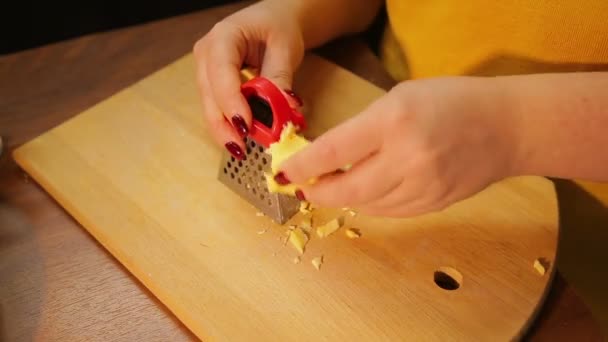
(316, 262)
(296, 260)
(352, 213)
(539, 266)
(259, 213)
(352, 233)
(304, 207)
(298, 239)
(262, 231)
(289, 143)
(328, 228)
(306, 223)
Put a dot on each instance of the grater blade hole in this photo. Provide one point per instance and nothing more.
(261, 149)
(248, 150)
(254, 191)
(256, 156)
(238, 180)
(225, 171)
(252, 144)
(236, 169)
(240, 163)
(262, 197)
(231, 175)
(259, 167)
(264, 161)
(269, 202)
(229, 165)
(263, 178)
(232, 159)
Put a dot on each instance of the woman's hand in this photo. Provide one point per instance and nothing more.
(424, 145)
(265, 35)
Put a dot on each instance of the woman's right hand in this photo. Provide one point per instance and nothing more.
(265, 35)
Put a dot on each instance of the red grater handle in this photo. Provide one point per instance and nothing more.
(262, 89)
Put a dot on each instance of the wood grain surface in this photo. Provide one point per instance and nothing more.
(139, 172)
(59, 284)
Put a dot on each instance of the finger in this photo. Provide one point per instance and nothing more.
(405, 192)
(280, 61)
(407, 199)
(420, 206)
(220, 129)
(223, 69)
(345, 144)
(412, 209)
(363, 183)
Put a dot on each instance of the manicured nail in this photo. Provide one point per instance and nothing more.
(294, 96)
(281, 178)
(300, 195)
(235, 150)
(241, 126)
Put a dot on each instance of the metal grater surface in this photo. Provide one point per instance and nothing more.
(246, 178)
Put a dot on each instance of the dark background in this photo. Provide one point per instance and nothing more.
(25, 24)
(28, 24)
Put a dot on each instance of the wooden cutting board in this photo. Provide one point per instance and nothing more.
(138, 171)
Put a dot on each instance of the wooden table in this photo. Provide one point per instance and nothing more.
(56, 282)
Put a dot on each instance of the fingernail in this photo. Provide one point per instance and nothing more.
(300, 195)
(241, 126)
(294, 96)
(281, 178)
(235, 150)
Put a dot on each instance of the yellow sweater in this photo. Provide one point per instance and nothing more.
(428, 38)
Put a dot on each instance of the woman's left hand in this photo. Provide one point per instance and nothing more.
(423, 146)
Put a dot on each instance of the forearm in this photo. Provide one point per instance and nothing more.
(324, 20)
(562, 124)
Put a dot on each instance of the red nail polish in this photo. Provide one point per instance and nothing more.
(300, 195)
(241, 126)
(235, 150)
(281, 178)
(294, 96)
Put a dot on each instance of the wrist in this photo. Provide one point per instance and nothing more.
(508, 124)
(321, 21)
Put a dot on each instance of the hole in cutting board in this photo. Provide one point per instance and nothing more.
(447, 278)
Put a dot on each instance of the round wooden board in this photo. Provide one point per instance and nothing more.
(139, 172)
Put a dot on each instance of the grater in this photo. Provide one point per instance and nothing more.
(270, 111)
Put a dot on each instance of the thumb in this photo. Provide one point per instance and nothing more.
(279, 64)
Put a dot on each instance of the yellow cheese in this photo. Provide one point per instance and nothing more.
(539, 267)
(289, 143)
(352, 233)
(316, 262)
(274, 187)
(306, 223)
(298, 239)
(304, 207)
(328, 228)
